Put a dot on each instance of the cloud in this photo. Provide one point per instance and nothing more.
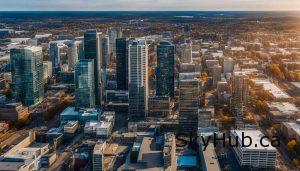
(149, 5)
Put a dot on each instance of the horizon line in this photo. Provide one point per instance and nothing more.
(209, 10)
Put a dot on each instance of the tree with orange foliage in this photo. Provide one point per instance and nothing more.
(291, 144)
(275, 69)
(203, 76)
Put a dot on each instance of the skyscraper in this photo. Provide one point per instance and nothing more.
(138, 79)
(186, 53)
(240, 93)
(104, 57)
(72, 53)
(189, 101)
(114, 33)
(54, 51)
(92, 51)
(27, 74)
(84, 82)
(228, 65)
(215, 72)
(165, 69)
(122, 64)
(105, 50)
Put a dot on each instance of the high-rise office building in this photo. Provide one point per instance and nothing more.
(189, 101)
(104, 57)
(228, 65)
(80, 49)
(84, 83)
(27, 74)
(105, 50)
(54, 51)
(138, 79)
(186, 53)
(114, 33)
(165, 69)
(215, 73)
(122, 63)
(92, 51)
(72, 54)
(47, 69)
(240, 93)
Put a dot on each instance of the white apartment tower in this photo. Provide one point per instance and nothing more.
(138, 79)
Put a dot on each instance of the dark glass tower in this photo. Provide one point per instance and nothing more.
(165, 69)
(91, 51)
(122, 64)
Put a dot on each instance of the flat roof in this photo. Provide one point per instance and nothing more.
(69, 111)
(284, 107)
(271, 88)
(256, 136)
(210, 158)
(148, 154)
(11, 166)
(89, 112)
(187, 161)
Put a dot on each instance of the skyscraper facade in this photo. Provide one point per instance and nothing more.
(138, 80)
(27, 74)
(189, 102)
(122, 64)
(240, 93)
(114, 33)
(105, 50)
(54, 51)
(165, 69)
(228, 65)
(186, 53)
(92, 51)
(84, 83)
(72, 54)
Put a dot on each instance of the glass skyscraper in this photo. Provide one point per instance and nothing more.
(165, 69)
(91, 51)
(122, 64)
(84, 82)
(27, 74)
(138, 80)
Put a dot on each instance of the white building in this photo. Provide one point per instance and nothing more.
(138, 79)
(47, 65)
(256, 155)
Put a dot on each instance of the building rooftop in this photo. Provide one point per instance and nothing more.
(11, 166)
(210, 158)
(256, 136)
(148, 154)
(187, 161)
(271, 88)
(89, 112)
(69, 111)
(284, 107)
(70, 124)
(189, 76)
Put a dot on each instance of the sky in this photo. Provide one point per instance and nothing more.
(141, 5)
